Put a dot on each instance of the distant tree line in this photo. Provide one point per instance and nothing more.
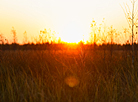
(66, 46)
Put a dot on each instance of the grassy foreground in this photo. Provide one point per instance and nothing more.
(67, 76)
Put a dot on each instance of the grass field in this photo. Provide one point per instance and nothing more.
(67, 76)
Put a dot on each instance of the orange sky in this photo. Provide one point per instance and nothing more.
(71, 19)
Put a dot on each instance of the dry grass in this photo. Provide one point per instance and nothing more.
(67, 76)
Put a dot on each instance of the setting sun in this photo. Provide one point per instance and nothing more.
(71, 33)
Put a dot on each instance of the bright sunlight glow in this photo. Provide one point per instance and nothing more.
(72, 33)
(70, 19)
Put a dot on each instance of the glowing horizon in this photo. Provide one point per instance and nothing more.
(70, 19)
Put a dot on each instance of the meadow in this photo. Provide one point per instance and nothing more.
(67, 76)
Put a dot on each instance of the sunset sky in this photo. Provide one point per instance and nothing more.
(67, 17)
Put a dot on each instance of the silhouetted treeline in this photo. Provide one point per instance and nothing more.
(47, 46)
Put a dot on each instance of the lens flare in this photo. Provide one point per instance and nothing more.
(72, 81)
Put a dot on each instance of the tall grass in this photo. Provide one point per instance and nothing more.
(67, 76)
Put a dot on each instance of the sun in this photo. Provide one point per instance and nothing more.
(72, 32)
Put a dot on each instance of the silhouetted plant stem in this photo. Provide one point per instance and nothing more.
(133, 34)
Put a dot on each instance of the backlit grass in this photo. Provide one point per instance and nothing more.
(67, 76)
